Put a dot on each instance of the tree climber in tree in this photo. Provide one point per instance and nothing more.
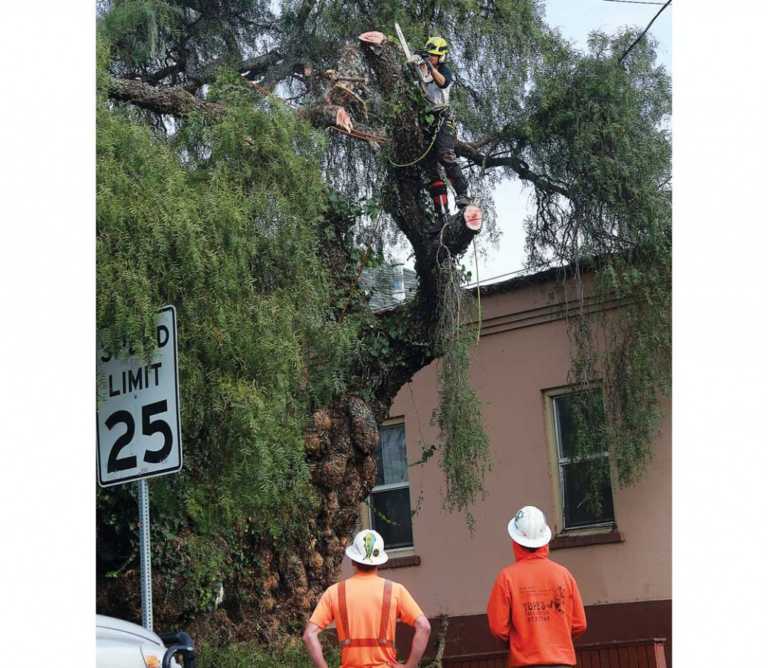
(439, 125)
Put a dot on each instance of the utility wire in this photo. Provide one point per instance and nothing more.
(642, 34)
(635, 2)
(490, 278)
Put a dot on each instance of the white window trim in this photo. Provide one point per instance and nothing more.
(558, 482)
(390, 486)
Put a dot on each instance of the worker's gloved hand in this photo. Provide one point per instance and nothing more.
(415, 60)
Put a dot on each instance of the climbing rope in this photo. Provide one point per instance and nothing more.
(429, 148)
(479, 311)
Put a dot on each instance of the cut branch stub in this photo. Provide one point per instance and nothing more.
(373, 37)
(473, 218)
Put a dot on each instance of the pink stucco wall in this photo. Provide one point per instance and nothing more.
(510, 371)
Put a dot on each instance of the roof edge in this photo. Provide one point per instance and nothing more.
(562, 272)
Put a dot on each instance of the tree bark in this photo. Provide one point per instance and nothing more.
(175, 101)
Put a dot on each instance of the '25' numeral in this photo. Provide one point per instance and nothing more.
(148, 427)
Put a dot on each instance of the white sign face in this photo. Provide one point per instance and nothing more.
(137, 418)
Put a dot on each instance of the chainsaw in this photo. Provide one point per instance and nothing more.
(417, 61)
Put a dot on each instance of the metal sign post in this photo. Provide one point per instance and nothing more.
(139, 428)
(145, 555)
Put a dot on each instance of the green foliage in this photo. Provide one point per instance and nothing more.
(146, 34)
(637, 362)
(465, 449)
(463, 444)
(600, 131)
(201, 561)
(224, 221)
(134, 26)
(250, 655)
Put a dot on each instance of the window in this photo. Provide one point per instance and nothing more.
(583, 464)
(390, 500)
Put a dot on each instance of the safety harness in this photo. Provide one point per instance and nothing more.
(382, 640)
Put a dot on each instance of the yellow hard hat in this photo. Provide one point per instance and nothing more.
(437, 46)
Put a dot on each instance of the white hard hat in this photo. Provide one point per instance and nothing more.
(529, 527)
(367, 548)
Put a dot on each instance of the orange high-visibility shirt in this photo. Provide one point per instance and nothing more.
(364, 598)
(536, 607)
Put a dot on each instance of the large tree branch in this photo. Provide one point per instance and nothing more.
(251, 67)
(471, 153)
(175, 101)
(164, 73)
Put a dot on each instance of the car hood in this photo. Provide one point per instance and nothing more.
(110, 628)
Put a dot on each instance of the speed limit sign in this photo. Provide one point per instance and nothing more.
(137, 414)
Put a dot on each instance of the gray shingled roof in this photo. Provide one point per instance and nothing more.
(389, 285)
(386, 289)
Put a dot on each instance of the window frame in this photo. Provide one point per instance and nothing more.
(558, 463)
(366, 509)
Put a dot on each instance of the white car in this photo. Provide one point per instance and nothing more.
(121, 644)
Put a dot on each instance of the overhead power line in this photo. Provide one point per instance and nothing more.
(642, 34)
(635, 2)
(490, 278)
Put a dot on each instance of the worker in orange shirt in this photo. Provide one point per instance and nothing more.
(366, 608)
(535, 604)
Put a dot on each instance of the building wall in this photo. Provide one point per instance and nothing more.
(523, 352)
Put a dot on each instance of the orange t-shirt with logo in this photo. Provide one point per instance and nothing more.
(535, 605)
(364, 596)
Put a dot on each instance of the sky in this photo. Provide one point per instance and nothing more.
(575, 19)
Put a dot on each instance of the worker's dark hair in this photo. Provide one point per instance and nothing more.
(365, 568)
(530, 549)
